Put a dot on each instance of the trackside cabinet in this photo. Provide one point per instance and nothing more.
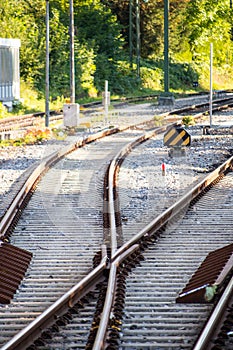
(71, 114)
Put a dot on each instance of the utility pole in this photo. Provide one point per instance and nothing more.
(166, 46)
(72, 66)
(130, 33)
(138, 36)
(47, 67)
(134, 33)
(166, 98)
(211, 83)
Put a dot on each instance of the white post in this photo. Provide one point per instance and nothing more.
(211, 82)
(106, 101)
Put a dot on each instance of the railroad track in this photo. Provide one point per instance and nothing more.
(62, 230)
(24, 121)
(48, 226)
(144, 299)
(92, 110)
(152, 318)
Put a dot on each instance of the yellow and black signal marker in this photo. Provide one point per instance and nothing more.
(177, 137)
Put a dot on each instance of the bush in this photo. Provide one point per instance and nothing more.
(36, 135)
(3, 111)
(17, 107)
(151, 78)
(158, 119)
(188, 120)
(182, 75)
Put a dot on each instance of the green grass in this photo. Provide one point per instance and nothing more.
(151, 84)
(30, 102)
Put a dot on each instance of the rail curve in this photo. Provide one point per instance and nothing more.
(120, 258)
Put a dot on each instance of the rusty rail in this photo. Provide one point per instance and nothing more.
(117, 254)
(8, 220)
(120, 254)
(45, 164)
(34, 330)
(116, 259)
(204, 341)
(177, 207)
(110, 296)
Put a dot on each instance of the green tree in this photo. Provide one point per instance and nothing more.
(25, 20)
(102, 41)
(19, 20)
(206, 22)
(151, 23)
(98, 29)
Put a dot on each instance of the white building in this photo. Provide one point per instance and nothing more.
(9, 71)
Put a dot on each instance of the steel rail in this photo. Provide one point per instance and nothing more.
(110, 295)
(196, 116)
(31, 333)
(204, 340)
(15, 205)
(34, 330)
(205, 104)
(111, 175)
(115, 261)
(11, 123)
(125, 250)
(173, 210)
(27, 119)
(46, 163)
(9, 216)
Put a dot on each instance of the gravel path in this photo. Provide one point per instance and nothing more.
(142, 181)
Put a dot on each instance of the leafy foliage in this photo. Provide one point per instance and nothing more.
(188, 120)
(151, 78)
(102, 43)
(208, 22)
(3, 111)
(32, 136)
(35, 135)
